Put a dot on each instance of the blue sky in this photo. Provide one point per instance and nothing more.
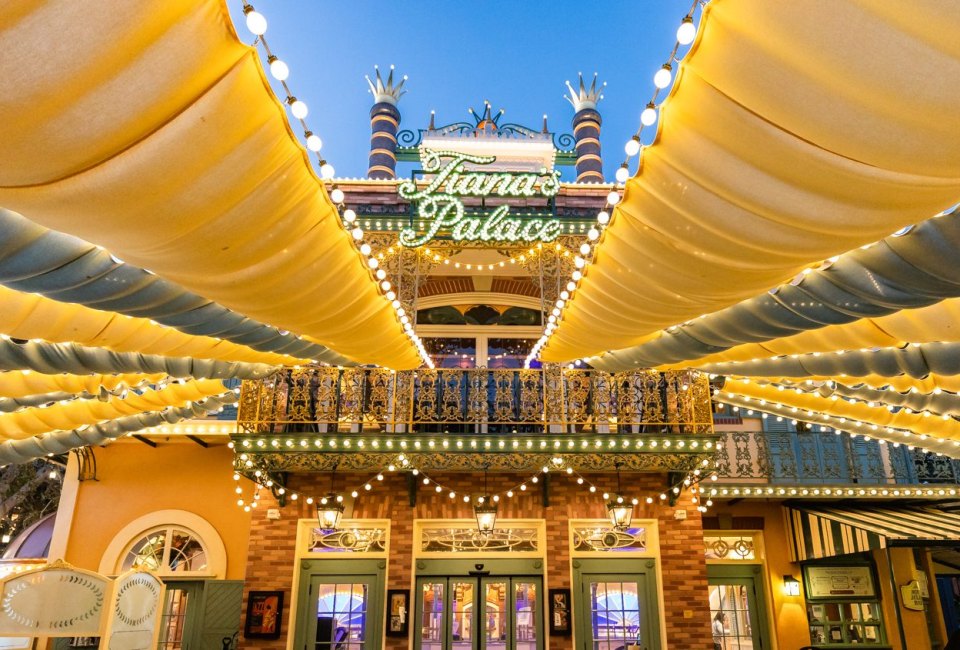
(457, 54)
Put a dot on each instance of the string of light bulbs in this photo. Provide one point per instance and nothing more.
(840, 425)
(518, 258)
(257, 25)
(686, 34)
(855, 399)
(262, 481)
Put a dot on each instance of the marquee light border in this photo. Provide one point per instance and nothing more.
(257, 25)
(686, 34)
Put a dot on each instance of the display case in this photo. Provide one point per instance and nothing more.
(843, 606)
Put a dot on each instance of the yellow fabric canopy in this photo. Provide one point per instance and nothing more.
(151, 130)
(939, 322)
(25, 382)
(747, 184)
(900, 383)
(31, 316)
(920, 424)
(70, 415)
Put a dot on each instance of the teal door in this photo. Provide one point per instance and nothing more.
(340, 605)
(737, 607)
(479, 613)
(181, 615)
(615, 605)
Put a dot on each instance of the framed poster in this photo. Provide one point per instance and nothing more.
(398, 612)
(832, 582)
(560, 612)
(264, 609)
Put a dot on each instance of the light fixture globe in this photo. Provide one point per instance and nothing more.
(329, 512)
(687, 31)
(620, 512)
(486, 514)
(485, 510)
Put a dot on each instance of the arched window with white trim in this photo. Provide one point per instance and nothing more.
(171, 543)
(167, 550)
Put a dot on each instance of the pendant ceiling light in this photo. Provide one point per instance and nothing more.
(330, 508)
(485, 509)
(620, 510)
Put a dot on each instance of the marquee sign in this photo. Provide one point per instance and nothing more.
(440, 202)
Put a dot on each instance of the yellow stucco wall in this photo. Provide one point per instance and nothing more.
(789, 615)
(135, 480)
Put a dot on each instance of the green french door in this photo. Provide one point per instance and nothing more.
(181, 609)
(616, 605)
(479, 613)
(737, 608)
(340, 605)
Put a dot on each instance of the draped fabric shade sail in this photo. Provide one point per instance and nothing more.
(69, 415)
(748, 183)
(37, 260)
(14, 384)
(151, 131)
(59, 442)
(53, 358)
(852, 302)
(900, 383)
(937, 403)
(794, 135)
(30, 316)
(919, 423)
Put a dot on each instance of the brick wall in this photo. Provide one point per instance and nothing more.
(271, 552)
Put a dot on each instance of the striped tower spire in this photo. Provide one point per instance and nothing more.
(384, 124)
(586, 129)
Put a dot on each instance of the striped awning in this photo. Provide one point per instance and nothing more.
(822, 531)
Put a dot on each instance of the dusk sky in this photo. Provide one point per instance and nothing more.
(457, 54)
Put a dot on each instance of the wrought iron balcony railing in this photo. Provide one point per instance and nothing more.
(809, 458)
(479, 400)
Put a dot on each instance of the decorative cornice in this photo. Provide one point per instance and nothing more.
(309, 461)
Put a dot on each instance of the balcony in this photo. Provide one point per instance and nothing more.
(507, 419)
(475, 401)
(827, 464)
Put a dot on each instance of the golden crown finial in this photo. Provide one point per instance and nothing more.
(386, 91)
(585, 97)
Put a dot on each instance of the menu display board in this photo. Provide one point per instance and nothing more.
(832, 582)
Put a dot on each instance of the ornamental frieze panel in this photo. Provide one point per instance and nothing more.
(472, 461)
(552, 399)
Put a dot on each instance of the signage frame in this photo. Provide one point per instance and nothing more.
(440, 202)
(815, 577)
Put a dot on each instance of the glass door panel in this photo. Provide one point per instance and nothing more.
(496, 596)
(488, 613)
(733, 614)
(508, 353)
(527, 607)
(462, 613)
(341, 610)
(451, 352)
(616, 611)
(179, 611)
(431, 614)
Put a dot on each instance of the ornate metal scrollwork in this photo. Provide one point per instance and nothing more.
(564, 141)
(306, 399)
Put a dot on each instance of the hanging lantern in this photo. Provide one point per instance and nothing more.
(330, 508)
(486, 513)
(620, 512)
(619, 509)
(485, 510)
(329, 512)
